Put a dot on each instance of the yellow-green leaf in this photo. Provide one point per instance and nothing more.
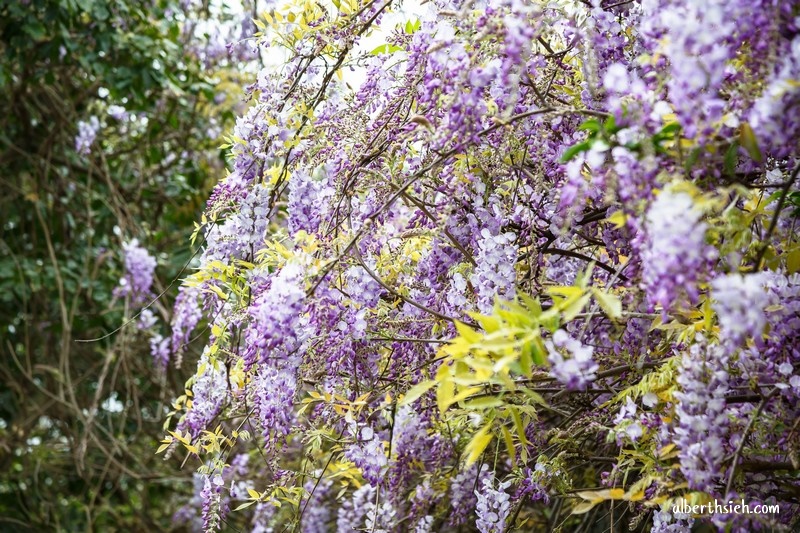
(574, 308)
(618, 218)
(444, 395)
(583, 507)
(793, 261)
(467, 333)
(479, 442)
(747, 138)
(417, 390)
(484, 402)
(245, 505)
(512, 451)
(609, 303)
(463, 395)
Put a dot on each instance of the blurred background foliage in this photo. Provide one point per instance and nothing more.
(79, 421)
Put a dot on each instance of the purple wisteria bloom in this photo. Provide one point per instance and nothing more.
(87, 133)
(140, 268)
(495, 274)
(493, 507)
(577, 371)
(740, 303)
(676, 250)
(701, 433)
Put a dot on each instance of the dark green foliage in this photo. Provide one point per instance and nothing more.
(65, 462)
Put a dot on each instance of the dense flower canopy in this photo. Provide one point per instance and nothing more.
(520, 251)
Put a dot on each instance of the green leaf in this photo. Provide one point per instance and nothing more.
(245, 505)
(747, 138)
(385, 49)
(478, 444)
(526, 359)
(575, 149)
(512, 451)
(670, 129)
(575, 308)
(694, 155)
(793, 261)
(592, 125)
(731, 159)
(535, 396)
(484, 402)
(411, 27)
(609, 303)
(416, 391)
(610, 125)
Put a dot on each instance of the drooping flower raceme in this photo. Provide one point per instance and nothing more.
(185, 316)
(140, 267)
(702, 417)
(211, 505)
(495, 273)
(273, 396)
(210, 391)
(352, 513)
(675, 251)
(493, 506)
(774, 127)
(87, 132)
(740, 302)
(367, 453)
(275, 333)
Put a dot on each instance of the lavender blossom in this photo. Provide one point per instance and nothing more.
(185, 316)
(462, 493)
(367, 453)
(159, 350)
(307, 201)
(579, 370)
(676, 249)
(273, 397)
(493, 507)
(317, 513)
(495, 274)
(702, 417)
(352, 512)
(140, 268)
(87, 133)
(740, 303)
(211, 506)
(117, 112)
(210, 390)
(628, 425)
(275, 332)
(666, 522)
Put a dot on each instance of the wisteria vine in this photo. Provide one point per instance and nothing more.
(525, 265)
